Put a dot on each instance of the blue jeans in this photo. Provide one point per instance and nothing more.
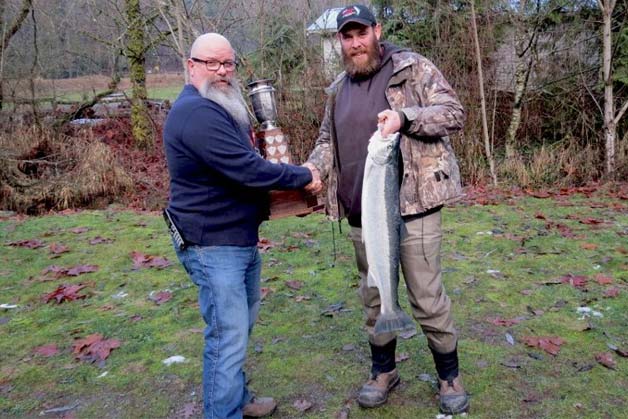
(228, 280)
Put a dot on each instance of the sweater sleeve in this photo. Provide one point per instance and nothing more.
(213, 137)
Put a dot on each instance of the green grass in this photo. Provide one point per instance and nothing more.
(298, 353)
(156, 93)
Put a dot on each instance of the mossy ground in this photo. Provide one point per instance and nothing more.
(500, 261)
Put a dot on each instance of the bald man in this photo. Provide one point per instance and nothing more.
(218, 198)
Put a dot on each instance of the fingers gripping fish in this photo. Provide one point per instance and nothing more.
(381, 229)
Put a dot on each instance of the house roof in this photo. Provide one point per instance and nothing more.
(326, 22)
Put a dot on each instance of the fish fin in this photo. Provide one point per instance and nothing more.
(398, 320)
(370, 281)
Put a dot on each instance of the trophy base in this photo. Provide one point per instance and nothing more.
(292, 203)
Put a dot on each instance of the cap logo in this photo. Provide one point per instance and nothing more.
(350, 11)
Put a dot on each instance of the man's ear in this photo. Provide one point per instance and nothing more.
(378, 30)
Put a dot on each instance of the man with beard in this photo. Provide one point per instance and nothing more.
(403, 92)
(218, 198)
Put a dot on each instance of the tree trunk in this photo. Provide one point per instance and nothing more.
(478, 56)
(522, 75)
(135, 52)
(610, 127)
(7, 34)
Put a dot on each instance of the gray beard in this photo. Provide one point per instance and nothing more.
(230, 99)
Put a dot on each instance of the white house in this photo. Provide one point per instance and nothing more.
(323, 30)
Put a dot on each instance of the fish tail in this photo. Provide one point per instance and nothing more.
(398, 320)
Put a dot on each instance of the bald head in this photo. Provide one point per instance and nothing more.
(208, 56)
(209, 43)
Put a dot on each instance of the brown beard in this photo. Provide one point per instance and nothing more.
(371, 65)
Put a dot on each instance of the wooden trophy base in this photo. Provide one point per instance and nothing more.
(291, 203)
(274, 147)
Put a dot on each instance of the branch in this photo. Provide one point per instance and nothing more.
(17, 23)
(621, 113)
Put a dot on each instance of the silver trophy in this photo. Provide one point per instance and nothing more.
(262, 95)
(273, 146)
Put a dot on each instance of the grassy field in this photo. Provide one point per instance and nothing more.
(159, 86)
(506, 267)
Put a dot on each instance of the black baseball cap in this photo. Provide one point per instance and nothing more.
(356, 13)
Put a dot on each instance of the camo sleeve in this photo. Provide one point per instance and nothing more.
(439, 112)
(321, 156)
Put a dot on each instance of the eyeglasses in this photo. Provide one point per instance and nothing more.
(214, 65)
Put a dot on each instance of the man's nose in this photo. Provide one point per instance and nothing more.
(221, 70)
(355, 43)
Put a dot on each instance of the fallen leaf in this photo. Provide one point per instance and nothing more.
(578, 281)
(81, 269)
(293, 284)
(79, 230)
(141, 260)
(538, 194)
(603, 279)
(65, 293)
(611, 292)
(160, 297)
(591, 221)
(71, 271)
(46, 350)
(29, 244)
(503, 322)
(100, 240)
(606, 359)
(589, 246)
(301, 298)
(94, 348)
(302, 405)
(57, 249)
(550, 344)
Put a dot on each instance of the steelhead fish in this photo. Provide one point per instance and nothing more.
(381, 229)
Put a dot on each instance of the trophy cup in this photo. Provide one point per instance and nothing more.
(273, 146)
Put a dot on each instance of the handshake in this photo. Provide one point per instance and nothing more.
(316, 185)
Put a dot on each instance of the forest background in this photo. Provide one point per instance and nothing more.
(544, 84)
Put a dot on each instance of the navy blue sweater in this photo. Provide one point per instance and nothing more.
(218, 182)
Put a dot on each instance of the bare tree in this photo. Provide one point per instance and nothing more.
(611, 119)
(478, 56)
(135, 52)
(8, 30)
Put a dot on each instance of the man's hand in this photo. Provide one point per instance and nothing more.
(389, 121)
(316, 185)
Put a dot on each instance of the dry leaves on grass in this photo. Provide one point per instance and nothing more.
(94, 348)
(77, 270)
(29, 244)
(606, 359)
(550, 344)
(64, 293)
(141, 260)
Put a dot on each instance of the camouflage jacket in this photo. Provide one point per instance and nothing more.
(431, 176)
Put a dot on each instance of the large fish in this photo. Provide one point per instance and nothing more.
(381, 228)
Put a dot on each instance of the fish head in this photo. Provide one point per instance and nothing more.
(383, 150)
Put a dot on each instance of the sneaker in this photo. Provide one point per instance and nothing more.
(453, 398)
(259, 407)
(375, 391)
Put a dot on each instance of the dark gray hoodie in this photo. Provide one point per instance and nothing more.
(358, 102)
